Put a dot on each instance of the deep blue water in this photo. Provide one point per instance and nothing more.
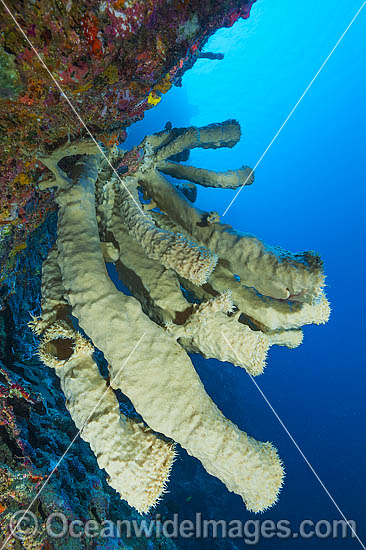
(309, 193)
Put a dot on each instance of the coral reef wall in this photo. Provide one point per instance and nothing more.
(114, 60)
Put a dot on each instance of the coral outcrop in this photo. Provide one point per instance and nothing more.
(196, 284)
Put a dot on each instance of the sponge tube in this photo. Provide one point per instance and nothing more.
(147, 364)
(137, 461)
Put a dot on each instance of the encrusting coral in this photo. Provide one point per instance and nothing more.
(197, 285)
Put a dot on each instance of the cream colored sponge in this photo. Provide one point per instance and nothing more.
(211, 332)
(137, 461)
(197, 285)
(149, 366)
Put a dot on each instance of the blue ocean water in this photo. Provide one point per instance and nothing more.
(309, 193)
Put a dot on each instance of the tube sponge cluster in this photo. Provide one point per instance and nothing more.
(138, 462)
(197, 285)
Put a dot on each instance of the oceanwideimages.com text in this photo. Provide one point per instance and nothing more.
(251, 531)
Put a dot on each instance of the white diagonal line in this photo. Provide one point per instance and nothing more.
(297, 447)
(72, 107)
(294, 107)
(72, 442)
